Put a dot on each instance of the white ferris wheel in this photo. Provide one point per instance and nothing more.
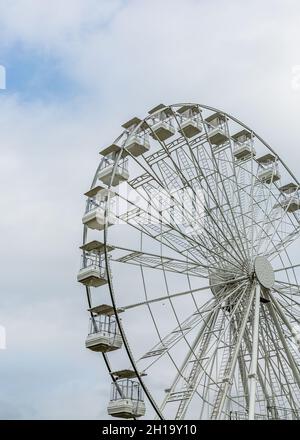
(189, 263)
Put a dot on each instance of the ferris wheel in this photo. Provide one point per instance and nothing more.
(190, 268)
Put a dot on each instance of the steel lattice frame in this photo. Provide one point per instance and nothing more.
(226, 347)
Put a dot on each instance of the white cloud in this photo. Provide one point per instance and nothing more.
(52, 24)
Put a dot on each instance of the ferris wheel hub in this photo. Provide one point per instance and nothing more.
(264, 272)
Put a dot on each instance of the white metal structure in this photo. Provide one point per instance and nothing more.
(200, 260)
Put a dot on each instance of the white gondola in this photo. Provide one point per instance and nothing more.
(93, 272)
(127, 400)
(92, 275)
(289, 188)
(243, 145)
(190, 127)
(291, 200)
(190, 123)
(121, 174)
(291, 203)
(137, 144)
(243, 152)
(109, 174)
(104, 335)
(95, 219)
(217, 129)
(269, 172)
(162, 128)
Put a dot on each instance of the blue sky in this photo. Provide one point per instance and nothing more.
(76, 70)
(36, 71)
(36, 76)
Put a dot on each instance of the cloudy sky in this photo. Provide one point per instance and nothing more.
(76, 70)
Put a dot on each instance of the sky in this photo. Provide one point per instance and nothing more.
(75, 71)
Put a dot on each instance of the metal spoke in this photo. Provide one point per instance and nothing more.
(286, 268)
(186, 292)
(160, 262)
(142, 215)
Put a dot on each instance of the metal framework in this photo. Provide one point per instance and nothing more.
(199, 223)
